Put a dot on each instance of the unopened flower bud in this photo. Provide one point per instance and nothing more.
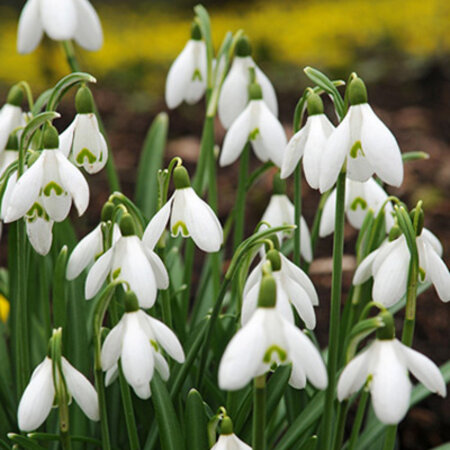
(181, 178)
(357, 92)
(84, 102)
(267, 297)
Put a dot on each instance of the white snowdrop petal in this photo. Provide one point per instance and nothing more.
(391, 278)
(249, 303)
(301, 302)
(293, 152)
(59, 18)
(364, 270)
(161, 366)
(384, 251)
(243, 355)
(143, 391)
(73, 182)
(88, 32)
(334, 154)
(29, 32)
(432, 240)
(25, 191)
(253, 278)
(37, 399)
(179, 75)
(354, 375)
(66, 138)
(202, 223)
(159, 269)
(390, 387)
(112, 375)
(10, 185)
(357, 202)
(359, 168)
(156, 226)
(328, 215)
(381, 147)
(112, 347)
(82, 390)
(167, 339)
(97, 275)
(298, 377)
(197, 83)
(84, 253)
(305, 241)
(283, 305)
(268, 91)
(438, 273)
(236, 138)
(39, 232)
(423, 369)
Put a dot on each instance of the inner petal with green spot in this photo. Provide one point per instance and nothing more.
(53, 186)
(357, 148)
(116, 273)
(253, 134)
(282, 355)
(197, 75)
(84, 155)
(180, 226)
(36, 211)
(358, 201)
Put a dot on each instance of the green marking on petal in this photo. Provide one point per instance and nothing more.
(282, 355)
(422, 274)
(253, 134)
(358, 201)
(154, 345)
(357, 147)
(53, 186)
(116, 273)
(197, 75)
(85, 154)
(176, 229)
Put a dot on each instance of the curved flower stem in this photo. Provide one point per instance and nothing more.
(297, 212)
(340, 425)
(113, 179)
(358, 419)
(259, 413)
(336, 285)
(239, 210)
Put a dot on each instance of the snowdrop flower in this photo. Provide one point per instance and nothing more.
(187, 75)
(364, 141)
(9, 155)
(267, 339)
(258, 125)
(61, 20)
(51, 179)
(82, 139)
(11, 115)
(234, 94)
(189, 215)
(38, 397)
(360, 197)
(389, 267)
(137, 340)
(293, 287)
(280, 211)
(128, 260)
(387, 361)
(227, 439)
(308, 143)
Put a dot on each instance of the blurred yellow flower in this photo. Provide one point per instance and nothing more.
(4, 309)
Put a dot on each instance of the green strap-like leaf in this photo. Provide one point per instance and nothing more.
(196, 421)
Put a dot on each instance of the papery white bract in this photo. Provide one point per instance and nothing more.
(365, 142)
(230, 442)
(389, 266)
(38, 397)
(360, 197)
(61, 20)
(309, 144)
(234, 93)
(388, 362)
(190, 216)
(258, 125)
(269, 338)
(133, 262)
(85, 143)
(187, 75)
(280, 211)
(136, 340)
(293, 287)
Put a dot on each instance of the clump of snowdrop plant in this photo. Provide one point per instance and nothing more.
(229, 328)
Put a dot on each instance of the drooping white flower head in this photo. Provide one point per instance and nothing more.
(267, 339)
(389, 267)
(189, 215)
(360, 197)
(61, 20)
(87, 250)
(227, 439)
(293, 288)
(38, 397)
(364, 141)
(186, 80)
(234, 93)
(11, 116)
(280, 211)
(82, 140)
(137, 340)
(258, 125)
(130, 260)
(308, 143)
(388, 361)
(53, 180)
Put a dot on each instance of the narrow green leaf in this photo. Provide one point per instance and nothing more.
(146, 194)
(59, 293)
(169, 427)
(41, 101)
(35, 123)
(310, 444)
(415, 156)
(24, 442)
(196, 421)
